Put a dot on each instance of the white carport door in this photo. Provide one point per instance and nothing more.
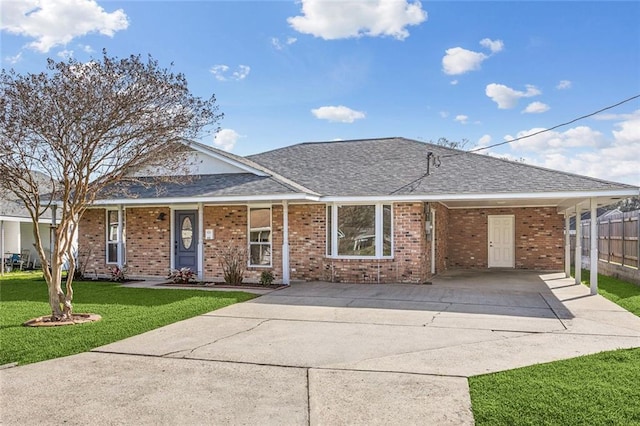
(501, 241)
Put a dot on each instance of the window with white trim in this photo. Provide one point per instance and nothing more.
(259, 236)
(113, 235)
(359, 230)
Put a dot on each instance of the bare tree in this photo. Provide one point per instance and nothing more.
(86, 127)
(450, 143)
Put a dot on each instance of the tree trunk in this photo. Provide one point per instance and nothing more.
(61, 308)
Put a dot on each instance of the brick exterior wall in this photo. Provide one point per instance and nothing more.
(230, 226)
(148, 241)
(92, 241)
(461, 242)
(307, 241)
(442, 236)
(409, 264)
(538, 238)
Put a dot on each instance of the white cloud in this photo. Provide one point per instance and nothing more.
(12, 60)
(507, 97)
(463, 119)
(86, 48)
(333, 20)
(536, 108)
(340, 114)
(57, 22)
(444, 114)
(494, 45)
(484, 141)
(454, 82)
(65, 54)
(226, 139)
(279, 45)
(564, 84)
(629, 130)
(585, 151)
(221, 72)
(576, 137)
(458, 60)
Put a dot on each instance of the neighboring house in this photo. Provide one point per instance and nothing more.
(349, 211)
(16, 233)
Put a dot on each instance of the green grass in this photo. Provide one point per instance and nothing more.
(601, 389)
(125, 312)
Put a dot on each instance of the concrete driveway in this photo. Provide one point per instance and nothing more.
(321, 353)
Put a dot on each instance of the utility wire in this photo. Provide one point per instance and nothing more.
(544, 130)
(416, 182)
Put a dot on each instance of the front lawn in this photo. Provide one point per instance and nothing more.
(125, 312)
(590, 390)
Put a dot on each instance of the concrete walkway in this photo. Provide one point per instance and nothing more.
(321, 353)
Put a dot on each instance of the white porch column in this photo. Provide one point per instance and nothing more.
(285, 244)
(433, 242)
(578, 253)
(120, 246)
(593, 281)
(200, 241)
(567, 246)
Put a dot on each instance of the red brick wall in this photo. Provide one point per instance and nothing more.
(442, 236)
(92, 241)
(307, 241)
(409, 264)
(148, 241)
(230, 227)
(538, 237)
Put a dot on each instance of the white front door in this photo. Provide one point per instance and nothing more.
(501, 242)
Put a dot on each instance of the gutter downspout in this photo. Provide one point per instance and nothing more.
(285, 244)
(433, 242)
(578, 253)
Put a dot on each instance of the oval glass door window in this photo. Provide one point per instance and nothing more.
(186, 233)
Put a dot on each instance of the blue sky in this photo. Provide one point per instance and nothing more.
(285, 72)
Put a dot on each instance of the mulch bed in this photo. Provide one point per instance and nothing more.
(45, 321)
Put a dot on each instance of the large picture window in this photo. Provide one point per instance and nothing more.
(259, 236)
(113, 237)
(359, 230)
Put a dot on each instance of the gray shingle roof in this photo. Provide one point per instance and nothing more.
(374, 167)
(218, 185)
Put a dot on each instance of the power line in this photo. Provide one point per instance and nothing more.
(416, 182)
(544, 130)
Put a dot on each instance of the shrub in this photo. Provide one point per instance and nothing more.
(233, 265)
(182, 276)
(266, 278)
(118, 275)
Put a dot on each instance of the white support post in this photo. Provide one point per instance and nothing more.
(120, 246)
(200, 253)
(433, 242)
(285, 244)
(594, 248)
(567, 246)
(578, 253)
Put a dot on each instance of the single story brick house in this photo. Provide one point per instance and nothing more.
(389, 210)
